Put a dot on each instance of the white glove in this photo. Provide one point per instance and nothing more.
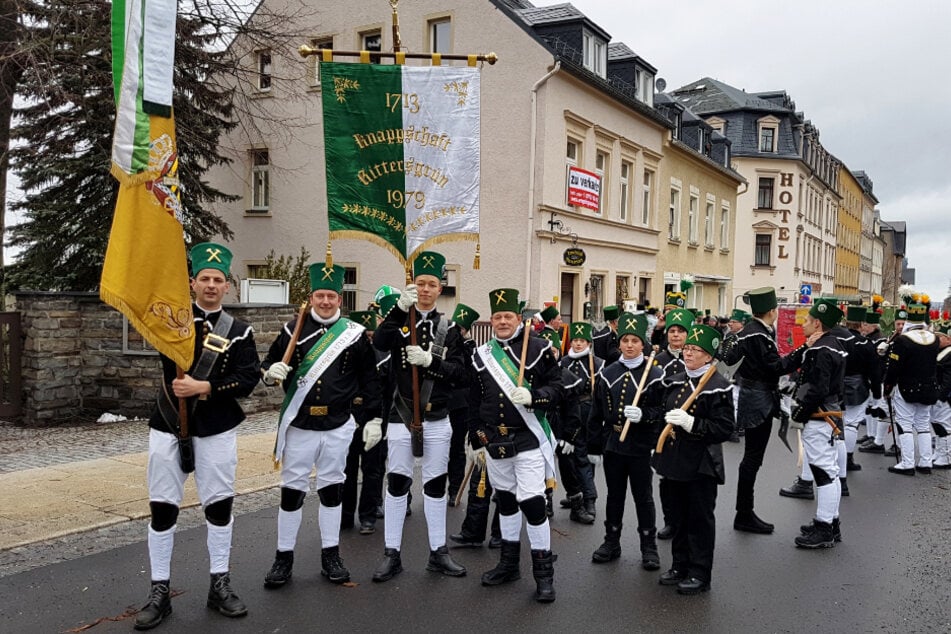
(475, 455)
(521, 396)
(372, 433)
(633, 413)
(408, 297)
(417, 356)
(680, 418)
(785, 404)
(593, 459)
(882, 348)
(566, 447)
(277, 372)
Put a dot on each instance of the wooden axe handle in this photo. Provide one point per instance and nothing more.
(668, 428)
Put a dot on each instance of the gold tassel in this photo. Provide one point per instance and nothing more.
(480, 490)
(551, 483)
(330, 257)
(277, 465)
(475, 262)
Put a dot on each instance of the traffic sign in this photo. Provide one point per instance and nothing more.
(805, 289)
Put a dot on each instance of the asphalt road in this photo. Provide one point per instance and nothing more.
(892, 573)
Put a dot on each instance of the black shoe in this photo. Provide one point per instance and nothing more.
(390, 566)
(543, 570)
(891, 452)
(941, 467)
(851, 465)
(507, 568)
(672, 577)
(748, 522)
(578, 514)
(158, 606)
(845, 487)
(565, 503)
(331, 566)
(281, 570)
(692, 586)
(819, 537)
(591, 507)
(379, 512)
(461, 540)
(864, 439)
(667, 532)
(367, 527)
(924, 470)
(441, 561)
(800, 488)
(222, 598)
(872, 448)
(734, 437)
(900, 471)
(495, 542)
(650, 559)
(805, 529)
(610, 549)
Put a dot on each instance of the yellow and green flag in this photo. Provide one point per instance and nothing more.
(402, 153)
(145, 274)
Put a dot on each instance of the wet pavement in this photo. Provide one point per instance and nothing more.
(891, 573)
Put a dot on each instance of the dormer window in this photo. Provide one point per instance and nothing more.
(768, 127)
(595, 54)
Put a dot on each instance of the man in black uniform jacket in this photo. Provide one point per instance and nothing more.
(507, 422)
(912, 369)
(331, 366)
(226, 367)
(605, 339)
(758, 402)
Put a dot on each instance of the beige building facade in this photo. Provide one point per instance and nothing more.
(561, 95)
(849, 237)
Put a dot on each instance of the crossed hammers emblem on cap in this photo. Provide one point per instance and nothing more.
(428, 260)
(462, 313)
(328, 273)
(695, 334)
(631, 323)
(213, 255)
(500, 296)
(579, 329)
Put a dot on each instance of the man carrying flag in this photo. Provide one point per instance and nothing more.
(515, 381)
(226, 368)
(331, 364)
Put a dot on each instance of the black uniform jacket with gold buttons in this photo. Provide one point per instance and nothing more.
(670, 361)
(446, 371)
(330, 401)
(491, 411)
(613, 393)
(605, 344)
(820, 382)
(564, 416)
(235, 373)
(695, 455)
(913, 366)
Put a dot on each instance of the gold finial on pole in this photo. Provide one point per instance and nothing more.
(397, 45)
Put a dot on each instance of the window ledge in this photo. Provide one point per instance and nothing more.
(724, 251)
(769, 209)
(762, 267)
(257, 213)
(692, 245)
(674, 241)
(708, 248)
(261, 94)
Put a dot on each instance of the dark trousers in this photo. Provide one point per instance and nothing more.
(692, 504)
(477, 510)
(371, 463)
(457, 450)
(756, 440)
(665, 501)
(619, 471)
(583, 466)
(569, 473)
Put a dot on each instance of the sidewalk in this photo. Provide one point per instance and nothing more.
(65, 480)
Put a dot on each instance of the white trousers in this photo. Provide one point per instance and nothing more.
(819, 446)
(327, 450)
(216, 460)
(523, 475)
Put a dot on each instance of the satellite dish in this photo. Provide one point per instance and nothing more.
(660, 84)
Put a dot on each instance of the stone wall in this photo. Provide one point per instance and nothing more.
(75, 365)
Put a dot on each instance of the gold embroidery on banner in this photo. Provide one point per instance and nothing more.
(461, 89)
(180, 319)
(342, 85)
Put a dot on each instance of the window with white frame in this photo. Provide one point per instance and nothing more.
(440, 32)
(324, 42)
(262, 63)
(725, 226)
(646, 203)
(595, 53)
(626, 169)
(348, 298)
(602, 166)
(260, 180)
(767, 139)
(692, 211)
(572, 159)
(764, 198)
(764, 247)
(673, 215)
(372, 41)
(708, 225)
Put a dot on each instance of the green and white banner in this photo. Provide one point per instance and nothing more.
(402, 153)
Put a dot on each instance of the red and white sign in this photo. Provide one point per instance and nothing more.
(584, 188)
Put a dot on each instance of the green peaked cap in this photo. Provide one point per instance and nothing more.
(552, 336)
(429, 263)
(631, 324)
(826, 312)
(741, 316)
(872, 317)
(549, 313)
(323, 278)
(678, 317)
(705, 337)
(761, 300)
(611, 313)
(464, 316)
(917, 313)
(504, 300)
(856, 313)
(366, 318)
(210, 255)
(580, 330)
(387, 302)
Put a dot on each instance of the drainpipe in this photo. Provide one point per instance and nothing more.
(531, 183)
